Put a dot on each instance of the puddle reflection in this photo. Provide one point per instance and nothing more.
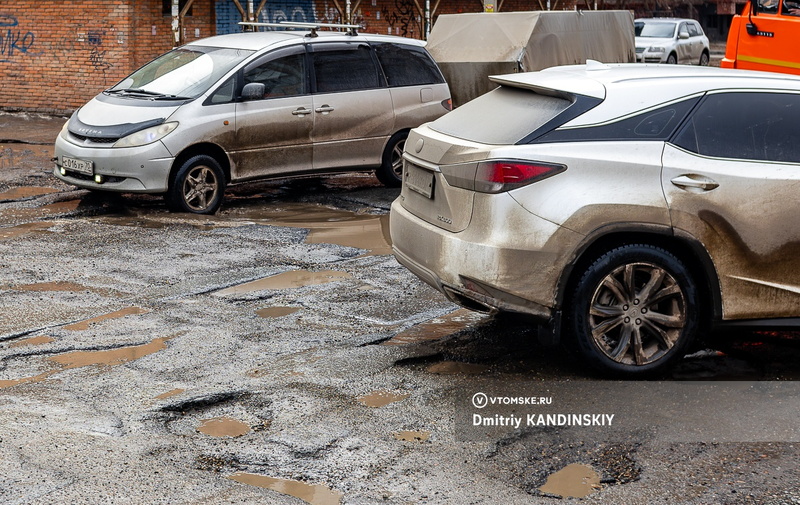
(437, 328)
(328, 225)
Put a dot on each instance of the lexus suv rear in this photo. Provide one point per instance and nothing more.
(627, 208)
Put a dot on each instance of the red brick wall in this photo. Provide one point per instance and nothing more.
(57, 54)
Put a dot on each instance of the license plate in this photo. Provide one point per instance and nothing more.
(419, 180)
(80, 166)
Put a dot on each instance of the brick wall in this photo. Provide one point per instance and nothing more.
(57, 54)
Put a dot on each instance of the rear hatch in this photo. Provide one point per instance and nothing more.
(441, 159)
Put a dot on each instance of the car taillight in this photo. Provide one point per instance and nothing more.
(447, 104)
(498, 176)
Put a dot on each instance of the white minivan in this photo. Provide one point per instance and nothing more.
(254, 105)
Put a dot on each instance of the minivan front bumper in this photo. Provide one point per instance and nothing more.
(143, 169)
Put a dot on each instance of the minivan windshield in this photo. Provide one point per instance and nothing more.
(659, 29)
(186, 72)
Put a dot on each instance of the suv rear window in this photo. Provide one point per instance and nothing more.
(407, 65)
(507, 114)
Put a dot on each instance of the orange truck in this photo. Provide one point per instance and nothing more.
(765, 36)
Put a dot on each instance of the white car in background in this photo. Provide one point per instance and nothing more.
(670, 40)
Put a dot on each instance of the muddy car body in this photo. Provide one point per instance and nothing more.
(628, 208)
(248, 106)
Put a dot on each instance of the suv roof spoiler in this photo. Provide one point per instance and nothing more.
(313, 27)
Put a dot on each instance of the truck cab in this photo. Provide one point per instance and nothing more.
(765, 36)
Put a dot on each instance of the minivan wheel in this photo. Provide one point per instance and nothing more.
(634, 311)
(672, 59)
(198, 186)
(390, 173)
(704, 59)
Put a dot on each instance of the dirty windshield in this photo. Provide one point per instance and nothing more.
(182, 73)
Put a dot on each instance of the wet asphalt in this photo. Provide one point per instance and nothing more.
(276, 352)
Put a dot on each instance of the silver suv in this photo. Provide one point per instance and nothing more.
(670, 40)
(247, 106)
(627, 208)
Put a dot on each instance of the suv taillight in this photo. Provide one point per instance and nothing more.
(498, 176)
(447, 104)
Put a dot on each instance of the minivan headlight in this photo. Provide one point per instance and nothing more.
(146, 136)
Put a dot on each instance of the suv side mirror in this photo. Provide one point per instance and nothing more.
(254, 91)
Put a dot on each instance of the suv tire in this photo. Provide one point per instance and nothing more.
(634, 311)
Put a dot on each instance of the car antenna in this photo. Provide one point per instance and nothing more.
(313, 27)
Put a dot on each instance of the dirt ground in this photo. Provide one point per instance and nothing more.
(277, 353)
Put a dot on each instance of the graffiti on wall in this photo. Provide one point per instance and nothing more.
(403, 19)
(14, 42)
(84, 46)
(97, 55)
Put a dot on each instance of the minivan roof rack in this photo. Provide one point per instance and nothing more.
(313, 27)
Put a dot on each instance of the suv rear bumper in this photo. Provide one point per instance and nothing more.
(481, 270)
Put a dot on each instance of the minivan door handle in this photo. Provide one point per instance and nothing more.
(694, 181)
(324, 109)
(301, 111)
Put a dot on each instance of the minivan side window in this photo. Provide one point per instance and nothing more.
(344, 67)
(282, 73)
(407, 65)
(223, 94)
(750, 126)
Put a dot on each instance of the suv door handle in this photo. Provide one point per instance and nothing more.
(324, 109)
(301, 111)
(694, 181)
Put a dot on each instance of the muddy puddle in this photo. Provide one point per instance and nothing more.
(456, 368)
(327, 225)
(85, 324)
(572, 481)
(315, 494)
(437, 328)
(412, 436)
(105, 358)
(25, 192)
(379, 399)
(286, 280)
(23, 156)
(38, 340)
(24, 229)
(170, 394)
(67, 286)
(53, 209)
(223, 427)
(275, 312)
(109, 357)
